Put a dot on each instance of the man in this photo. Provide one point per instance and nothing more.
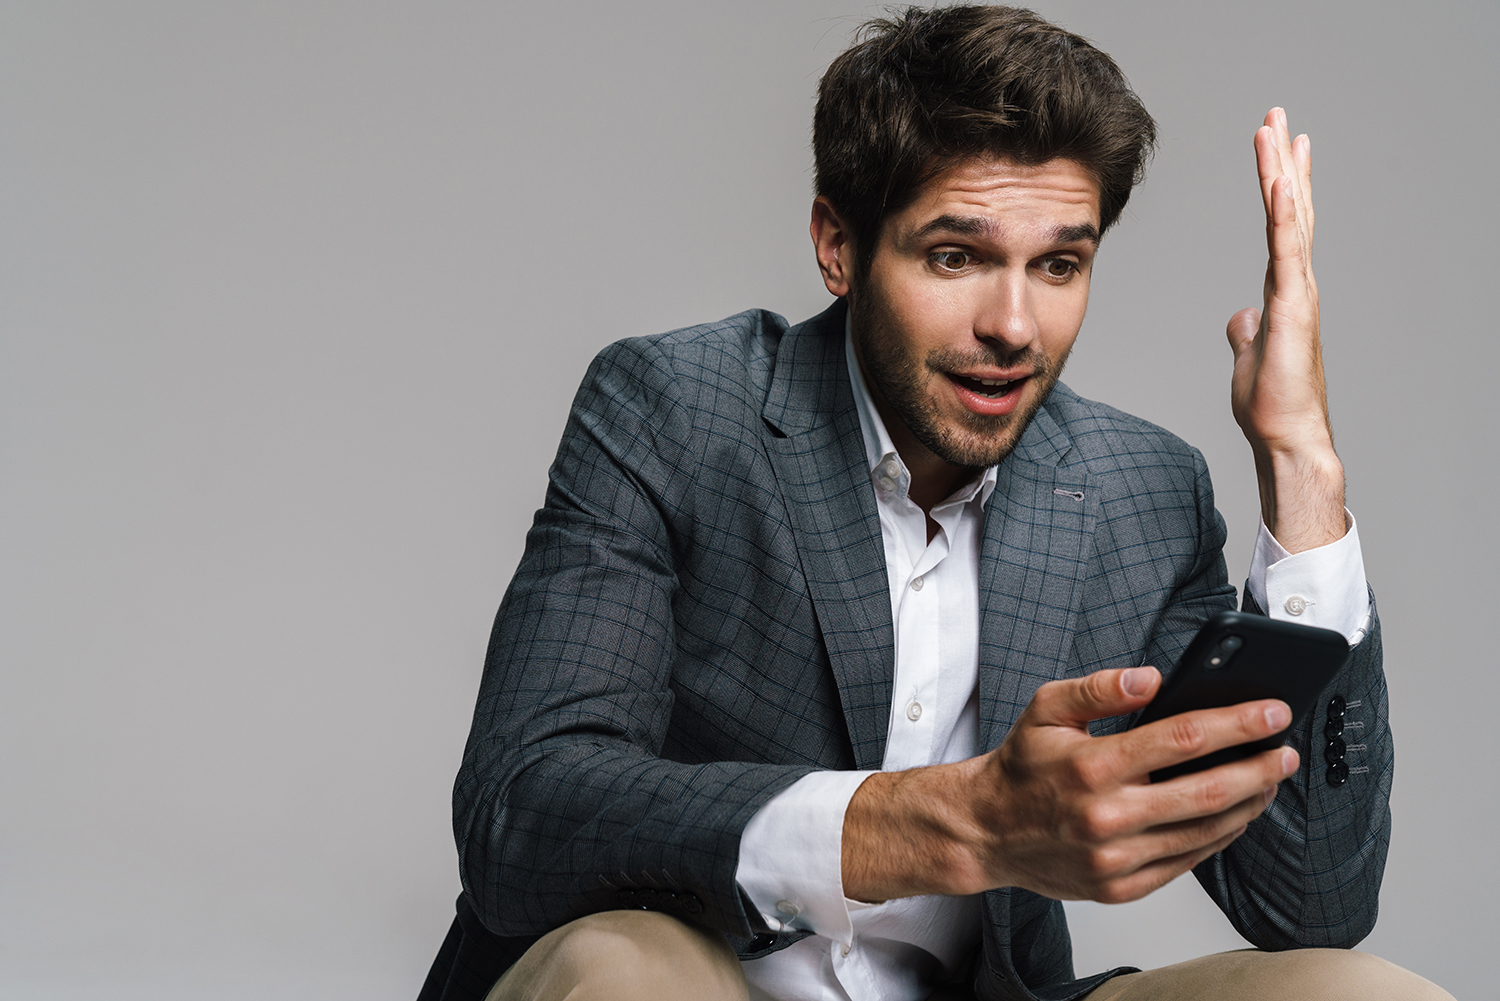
(792, 693)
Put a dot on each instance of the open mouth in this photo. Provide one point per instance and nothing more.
(990, 389)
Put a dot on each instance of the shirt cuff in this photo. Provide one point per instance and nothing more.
(791, 856)
(1318, 587)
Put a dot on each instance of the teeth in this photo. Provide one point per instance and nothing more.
(993, 382)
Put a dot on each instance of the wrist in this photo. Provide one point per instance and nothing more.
(913, 833)
(1301, 495)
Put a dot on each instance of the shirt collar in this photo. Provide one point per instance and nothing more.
(887, 470)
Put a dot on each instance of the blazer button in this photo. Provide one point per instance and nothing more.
(1338, 774)
(1333, 729)
(691, 905)
(1334, 751)
(1336, 708)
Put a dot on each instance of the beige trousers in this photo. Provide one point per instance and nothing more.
(648, 956)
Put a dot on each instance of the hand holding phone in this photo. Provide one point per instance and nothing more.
(1237, 657)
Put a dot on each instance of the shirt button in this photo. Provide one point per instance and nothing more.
(844, 951)
(891, 469)
(918, 583)
(914, 711)
(788, 908)
(1295, 605)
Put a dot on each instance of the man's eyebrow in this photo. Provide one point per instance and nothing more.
(1072, 234)
(973, 225)
(960, 225)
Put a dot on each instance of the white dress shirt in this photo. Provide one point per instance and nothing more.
(790, 864)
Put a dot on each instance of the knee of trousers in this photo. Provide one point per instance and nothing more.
(618, 954)
(1360, 976)
(640, 941)
(1325, 974)
(1252, 975)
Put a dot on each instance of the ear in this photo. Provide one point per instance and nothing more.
(834, 246)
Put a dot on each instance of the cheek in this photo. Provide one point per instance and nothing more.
(910, 324)
(1060, 319)
(932, 317)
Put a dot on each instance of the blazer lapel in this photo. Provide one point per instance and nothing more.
(1038, 536)
(818, 453)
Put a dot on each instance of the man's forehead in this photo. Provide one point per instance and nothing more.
(973, 197)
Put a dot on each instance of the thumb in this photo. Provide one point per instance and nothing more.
(1242, 328)
(1076, 701)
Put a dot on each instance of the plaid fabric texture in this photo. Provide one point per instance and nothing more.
(701, 617)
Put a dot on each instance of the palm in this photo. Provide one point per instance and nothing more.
(1277, 390)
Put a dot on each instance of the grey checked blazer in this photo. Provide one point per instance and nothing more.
(701, 617)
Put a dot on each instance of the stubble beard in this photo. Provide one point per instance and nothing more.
(969, 440)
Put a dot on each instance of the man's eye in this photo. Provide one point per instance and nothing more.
(951, 260)
(1059, 267)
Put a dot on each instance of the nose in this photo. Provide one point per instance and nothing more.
(1005, 316)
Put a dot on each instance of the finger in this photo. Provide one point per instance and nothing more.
(1290, 269)
(1193, 734)
(1241, 329)
(1283, 138)
(1293, 172)
(1076, 701)
(1155, 875)
(1302, 153)
(1267, 163)
(1284, 153)
(1131, 853)
(1199, 796)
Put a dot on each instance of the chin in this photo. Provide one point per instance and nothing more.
(975, 442)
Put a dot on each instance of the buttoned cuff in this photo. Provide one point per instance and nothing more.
(1318, 587)
(791, 856)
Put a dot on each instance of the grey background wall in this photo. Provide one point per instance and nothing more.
(293, 298)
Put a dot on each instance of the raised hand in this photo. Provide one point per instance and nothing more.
(1277, 390)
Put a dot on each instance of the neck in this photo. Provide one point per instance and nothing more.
(932, 479)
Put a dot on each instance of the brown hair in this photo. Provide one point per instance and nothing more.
(929, 88)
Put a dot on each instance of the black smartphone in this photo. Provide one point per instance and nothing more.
(1237, 657)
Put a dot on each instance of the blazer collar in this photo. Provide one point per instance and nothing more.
(809, 387)
(817, 451)
(1038, 538)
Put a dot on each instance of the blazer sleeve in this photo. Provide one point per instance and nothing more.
(563, 804)
(1307, 872)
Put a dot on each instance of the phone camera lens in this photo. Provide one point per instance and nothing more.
(1225, 652)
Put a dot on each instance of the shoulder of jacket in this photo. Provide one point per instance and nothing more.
(709, 366)
(1107, 439)
(744, 337)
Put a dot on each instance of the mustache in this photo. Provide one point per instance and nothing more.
(950, 359)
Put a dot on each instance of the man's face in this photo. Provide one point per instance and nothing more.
(973, 300)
